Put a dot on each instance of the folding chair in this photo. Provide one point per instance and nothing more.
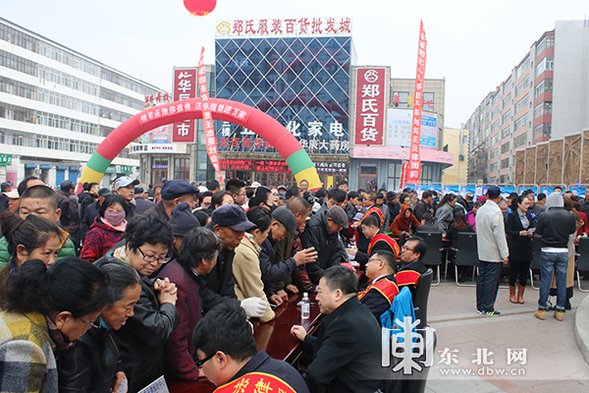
(466, 254)
(433, 255)
(535, 264)
(583, 261)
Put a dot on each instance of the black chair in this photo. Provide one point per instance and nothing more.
(402, 238)
(433, 255)
(466, 254)
(421, 297)
(535, 263)
(583, 260)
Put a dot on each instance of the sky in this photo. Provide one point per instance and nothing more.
(474, 45)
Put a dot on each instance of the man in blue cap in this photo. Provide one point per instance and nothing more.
(492, 250)
(173, 192)
(229, 222)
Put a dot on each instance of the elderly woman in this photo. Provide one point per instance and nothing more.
(93, 364)
(196, 258)
(147, 243)
(31, 238)
(107, 229)
(44, 309)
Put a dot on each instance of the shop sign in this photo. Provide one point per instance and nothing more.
(284, 27)
(331, 168)
(370, 106)
(5, 159)
(185, 87)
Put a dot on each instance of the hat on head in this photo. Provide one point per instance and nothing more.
(470, 194)
(202, 189)
(104, 192)
(255, 184)
(12, 194)
(182, 220)
(493, 192)
(124, 181)
(554, 200)
(66, 185)
(358, 216)
(232, 216)
(281, 187)
(379, 195)
(338, 215)
(173, 189)
(286, 218)
(138, 190)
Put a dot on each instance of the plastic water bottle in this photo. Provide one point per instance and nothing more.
(305, 306)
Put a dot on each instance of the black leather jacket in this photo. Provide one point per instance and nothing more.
(90, 365)
(142, 338)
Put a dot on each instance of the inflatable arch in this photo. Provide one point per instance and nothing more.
(224, 110)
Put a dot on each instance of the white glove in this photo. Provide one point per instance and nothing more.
(254, 306)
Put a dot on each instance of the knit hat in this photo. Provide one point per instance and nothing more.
(554, 200)
(182, 220)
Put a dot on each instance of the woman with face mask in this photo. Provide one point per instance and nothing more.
(92, 365)
(107, 229)
(45, 309)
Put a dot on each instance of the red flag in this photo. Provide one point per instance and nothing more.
(207, 118)
(414, 166)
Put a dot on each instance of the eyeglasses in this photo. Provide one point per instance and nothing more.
(200, 363)
(407, 248)
(153, 258)
(375, 260)
(94, 326)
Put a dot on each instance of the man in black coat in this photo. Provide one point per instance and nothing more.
(347, 349)
(322, 234)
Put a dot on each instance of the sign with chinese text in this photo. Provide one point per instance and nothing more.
(401, 153)
(370, 99)
(254, 165)
(398, 133)
(207, 117)
(5, 159)
(289, 27)
(414, 168)
(184, 87)
(331, 168)
(157, 148)
(161, 134)
(158, 98)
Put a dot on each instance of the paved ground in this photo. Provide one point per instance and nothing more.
(552, 363)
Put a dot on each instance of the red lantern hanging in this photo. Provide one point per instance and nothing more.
(200, 7)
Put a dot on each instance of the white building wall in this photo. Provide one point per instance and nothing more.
(570, 96)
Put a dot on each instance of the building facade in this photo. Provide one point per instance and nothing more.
(378, 162)
(545, 96)
(162, 153)
(57, 106)
(298, 72)
(456, 142)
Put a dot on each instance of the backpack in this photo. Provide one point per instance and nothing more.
(401, 307)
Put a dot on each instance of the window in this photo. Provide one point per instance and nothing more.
(182, 168)
(544, 86)
(494, 153)
(493, 167)
(495, 112)
(426, 174)
(543, 108)
(524, 66)
(494, 140)
(521, 122)
(506, 117)
(495, 127)
(542, 130)
(547, 42)
(505, 163)
(521, 104)
(505, 148)
(505, 132)
(522, 86)
(507, 101)
(394, 176)
(519, 141)
(546, 64)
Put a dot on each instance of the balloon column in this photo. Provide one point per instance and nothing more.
(200, 7)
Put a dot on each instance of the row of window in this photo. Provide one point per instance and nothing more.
(64, 79)
(547, 42)
(13, 112)
(28, 42)
(543, 108)
(119, 98)
(19, 138)
(544, 86)
(542, 130)
(506, 117)
(524, 66)
(546, 64)
(17, 63)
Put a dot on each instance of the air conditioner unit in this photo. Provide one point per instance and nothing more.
(461, 157)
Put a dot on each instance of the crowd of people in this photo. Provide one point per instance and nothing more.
(164, 281)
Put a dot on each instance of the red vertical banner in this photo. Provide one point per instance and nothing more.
(184, 87)
(207, 118)
(414, 168)
(370, 106)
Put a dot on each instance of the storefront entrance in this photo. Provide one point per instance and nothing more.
(368, 177)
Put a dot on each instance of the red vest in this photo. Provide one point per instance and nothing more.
(385, 239)
(256, 382)
(388, 288)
